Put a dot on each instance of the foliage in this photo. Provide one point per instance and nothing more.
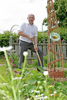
(61, 12)
(45, 60)
(4, 39)
(65, 73)
(60, 7)
(42, 36)
(13, 60)
(44, 22)
(10, 90)
(31, 85)
(65, 64)
(2, 60)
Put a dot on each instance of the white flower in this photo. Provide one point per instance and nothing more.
(4, 84)
(55, 92)
(25, 84)
(36, 91)
(32, 91)
(40, 87)
(25, 53)
(44, 81)
(45, 73)
(36, 96)
(27, 99)
(45, 97)
(3, 97)
(51, 94)
(42, 94)
(38, 82)
(19, 91)
(41, 98)
(2, 91)
(16, 78)
(5, 48)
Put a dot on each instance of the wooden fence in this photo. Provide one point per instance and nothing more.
(42, 46)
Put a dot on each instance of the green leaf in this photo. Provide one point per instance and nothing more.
(31, 81)
(40, 68)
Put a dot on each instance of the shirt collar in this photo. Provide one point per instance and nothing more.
(31, 25)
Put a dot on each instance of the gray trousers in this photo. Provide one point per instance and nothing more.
(24, 46)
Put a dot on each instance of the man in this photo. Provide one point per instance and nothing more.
(28, 34)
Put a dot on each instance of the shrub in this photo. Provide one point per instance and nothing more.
(13, 60)
(4, 39)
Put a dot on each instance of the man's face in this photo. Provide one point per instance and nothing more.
(31, 18)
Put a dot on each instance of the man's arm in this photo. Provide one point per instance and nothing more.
(35, 41)
(25, 35)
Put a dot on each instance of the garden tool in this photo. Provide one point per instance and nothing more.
(38, 55)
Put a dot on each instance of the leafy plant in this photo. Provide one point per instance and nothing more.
(31, 85)
(13, 60)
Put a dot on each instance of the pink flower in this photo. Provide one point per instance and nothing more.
(11, 60)
(15, 71)
(6, 73)
(32, 62)
(14, 65)
(7, 68)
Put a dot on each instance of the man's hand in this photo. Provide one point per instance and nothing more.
(31, 38)
(35, 48)
(25, 35)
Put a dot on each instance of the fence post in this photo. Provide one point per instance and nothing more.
(44, 48)
(64, 50)
(32, 55)
(10, 41)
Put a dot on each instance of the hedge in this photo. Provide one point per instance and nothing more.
(4, 38)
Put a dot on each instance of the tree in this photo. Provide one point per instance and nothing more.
(45, 22)
(60, 7)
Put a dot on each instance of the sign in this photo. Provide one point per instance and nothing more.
(54, 36)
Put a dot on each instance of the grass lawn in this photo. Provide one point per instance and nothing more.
(2, 60)
(4, 73)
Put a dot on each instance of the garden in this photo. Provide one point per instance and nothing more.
(31, 84)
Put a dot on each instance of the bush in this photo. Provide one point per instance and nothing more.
(42, 36)
(4, 39)
(13, 60)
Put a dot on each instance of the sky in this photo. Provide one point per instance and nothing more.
(16, 11)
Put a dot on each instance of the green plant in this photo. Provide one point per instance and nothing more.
(13, 60)
(30, 85)
(45, 60)
(4, 39)
(65, 64)
(11, 90)
(65, 73)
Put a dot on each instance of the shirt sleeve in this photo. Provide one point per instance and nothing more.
(36, 31)
(22, 27)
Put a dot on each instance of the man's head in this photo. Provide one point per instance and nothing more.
(31, 18)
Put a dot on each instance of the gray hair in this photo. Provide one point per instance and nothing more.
(32, 15)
